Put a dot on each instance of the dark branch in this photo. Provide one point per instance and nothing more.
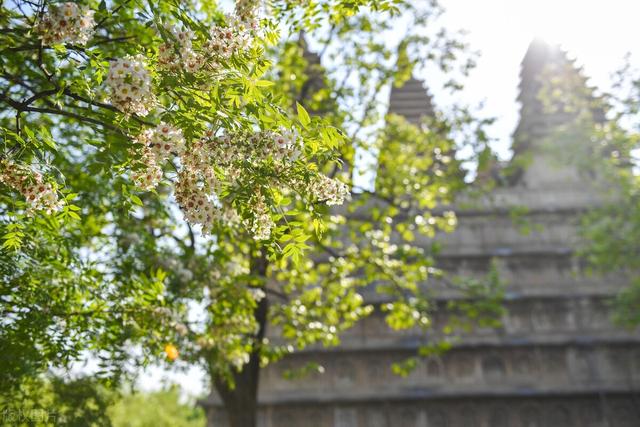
(22, 107)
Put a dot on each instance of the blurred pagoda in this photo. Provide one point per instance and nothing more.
(556, 361)
(411, 100)
(554, 98)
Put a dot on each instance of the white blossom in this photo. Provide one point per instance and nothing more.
(130, 85)
(328, 190)
(66, 23)
(158, 145)
(257, 294)
(261, 223)
(233, 37)
(40, 195)
(199, 184)
(246, 10)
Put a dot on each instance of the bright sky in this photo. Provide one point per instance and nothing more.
(598, 33)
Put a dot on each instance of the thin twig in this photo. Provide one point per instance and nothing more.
(113, 12)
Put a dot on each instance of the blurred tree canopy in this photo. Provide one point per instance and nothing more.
(161, 408)
(86, 402)
(172, 180)
(612, 232)
(57, 402)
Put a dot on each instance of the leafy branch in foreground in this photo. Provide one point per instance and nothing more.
(170, 111)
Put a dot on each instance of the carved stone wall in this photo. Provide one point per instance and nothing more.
(566, 367)
(557, 360)
(500, 411)
(528, 320)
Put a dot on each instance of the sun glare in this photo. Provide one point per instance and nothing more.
(574, 22)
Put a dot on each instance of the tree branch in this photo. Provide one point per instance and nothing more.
(21, 107)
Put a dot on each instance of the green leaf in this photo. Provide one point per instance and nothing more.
(45, 135)
(135, 199)
(303, 115)
(13, 240)
(73, 215)
(264, 83)
(29, 133)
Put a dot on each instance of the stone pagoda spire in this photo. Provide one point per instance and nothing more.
(553, 95)
(411, 100)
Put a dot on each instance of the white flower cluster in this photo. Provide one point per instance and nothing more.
(238, 358)
(257, 294)
(205, 342)
(39, 194)
(261, 223)
(157, 146)
(328, 190)
(213, 162)
(66, 23)
(284, 145)
(199, 205)
(168, 317)
(255, 147)
(223, 42)
(197, 188)
(180, 55)
(198, 185)
(246, 10)
(130, 85)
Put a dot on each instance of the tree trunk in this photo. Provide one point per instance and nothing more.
(241, 402)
